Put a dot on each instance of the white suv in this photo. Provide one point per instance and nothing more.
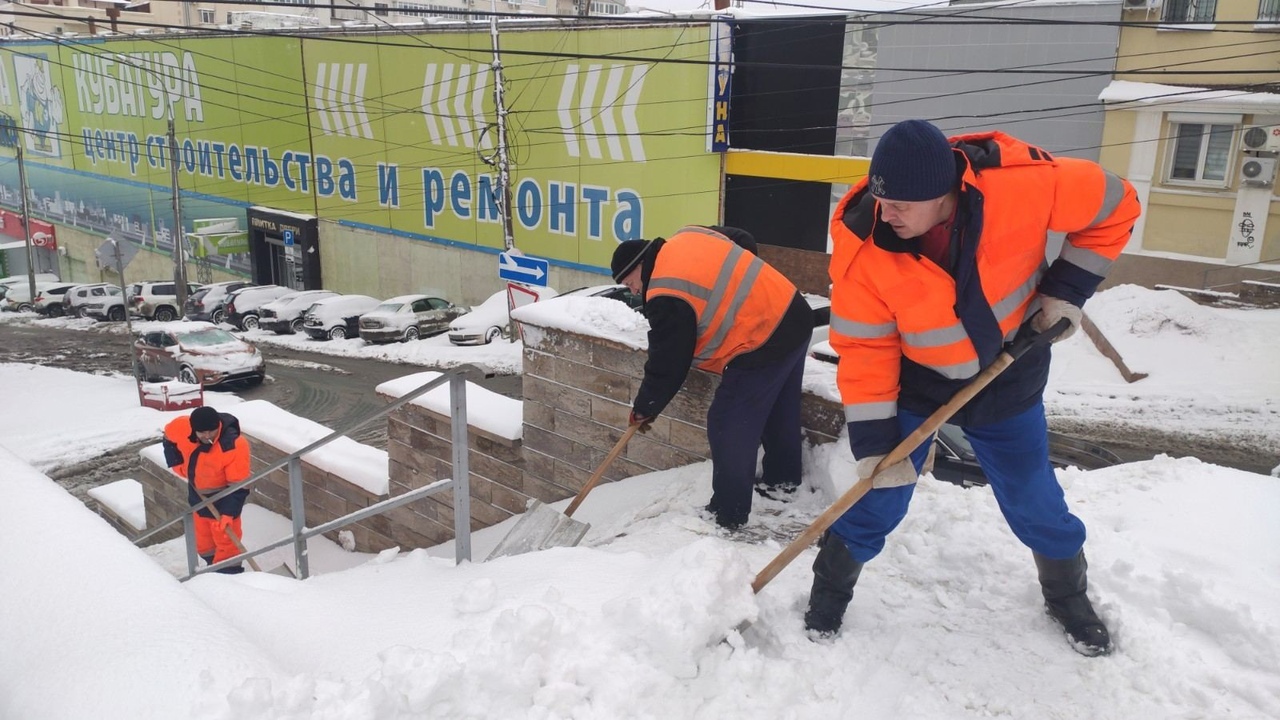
(74, 301)
(157, 300)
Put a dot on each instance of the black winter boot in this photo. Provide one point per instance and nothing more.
(1064, 583)
(834, 574)
(208, 559)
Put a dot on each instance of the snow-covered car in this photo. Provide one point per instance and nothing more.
(614, 292)
(243, 305)
(337, 318)
(408, 317)
(283, 315)
(208, 303)
(196, 353)
(489, 320)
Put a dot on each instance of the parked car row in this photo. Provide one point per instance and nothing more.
(321, 314)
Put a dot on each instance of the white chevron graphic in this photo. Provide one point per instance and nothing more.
(339, 104)
(453, 104)
(604, 110)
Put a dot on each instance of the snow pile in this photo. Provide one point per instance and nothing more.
(598, 316)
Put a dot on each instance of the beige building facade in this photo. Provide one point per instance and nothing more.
(1191, 123)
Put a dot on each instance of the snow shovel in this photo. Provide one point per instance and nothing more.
(1022, 342)
(542, 526)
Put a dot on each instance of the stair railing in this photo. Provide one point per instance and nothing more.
(458, 484)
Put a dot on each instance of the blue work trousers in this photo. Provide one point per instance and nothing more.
(1014, 455)
(752, 407)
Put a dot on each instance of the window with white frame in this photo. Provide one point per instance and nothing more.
(1200, 149)
(207, 17)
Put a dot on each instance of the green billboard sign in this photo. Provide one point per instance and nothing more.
(391, 132)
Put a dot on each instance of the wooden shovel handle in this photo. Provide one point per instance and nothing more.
(235, 540)
(608, 460)
(1020, 345)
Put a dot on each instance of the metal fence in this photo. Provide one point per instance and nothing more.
(301, 533)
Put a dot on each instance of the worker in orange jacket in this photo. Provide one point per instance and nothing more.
(939, 257)
(712, 303)
(208, 451)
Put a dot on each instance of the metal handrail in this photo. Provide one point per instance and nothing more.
(462, 510)
(1204, 279)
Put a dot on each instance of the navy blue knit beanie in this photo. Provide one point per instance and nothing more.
(913, 161)
(204, 419)
(626, 257)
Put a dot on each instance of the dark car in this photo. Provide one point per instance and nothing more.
(954, 460)
(243, 306)
(613, 292)
(209, 302)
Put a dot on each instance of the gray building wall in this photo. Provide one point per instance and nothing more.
(1059, 112)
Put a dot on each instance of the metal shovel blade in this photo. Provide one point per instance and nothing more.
(541, 527)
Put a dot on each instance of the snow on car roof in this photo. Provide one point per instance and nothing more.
(177, 326)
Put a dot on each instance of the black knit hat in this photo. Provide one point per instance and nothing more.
(627, 256)
(913, 161)
(205, 418)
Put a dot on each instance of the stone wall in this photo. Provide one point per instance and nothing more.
(577, 398)
(420, 452)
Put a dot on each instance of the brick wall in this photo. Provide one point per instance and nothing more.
(577, 397)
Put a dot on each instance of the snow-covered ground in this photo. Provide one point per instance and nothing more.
(946, 623)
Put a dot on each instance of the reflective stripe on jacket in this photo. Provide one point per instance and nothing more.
(737, 297)
(910, 331)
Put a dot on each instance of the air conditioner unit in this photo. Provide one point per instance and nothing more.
(1265, 138)
(1141, 4)
(1258, 172)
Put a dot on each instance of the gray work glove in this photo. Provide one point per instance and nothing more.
(896, 475)
(1052, 310)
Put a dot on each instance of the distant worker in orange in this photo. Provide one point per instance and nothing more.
(208, 450)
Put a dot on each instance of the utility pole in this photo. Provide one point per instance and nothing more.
(179, 256)
(26, 224)
(504, 173)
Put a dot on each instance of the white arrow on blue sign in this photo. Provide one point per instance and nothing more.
(523, 269)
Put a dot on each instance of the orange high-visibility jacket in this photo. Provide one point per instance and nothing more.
(738, 298)
(909, 331)
(209, 469)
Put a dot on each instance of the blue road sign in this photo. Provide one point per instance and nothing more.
(288, 237)
(523, 269)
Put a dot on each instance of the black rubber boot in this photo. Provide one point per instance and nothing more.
(834, 574)
(1064, 584)
(208, 559)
